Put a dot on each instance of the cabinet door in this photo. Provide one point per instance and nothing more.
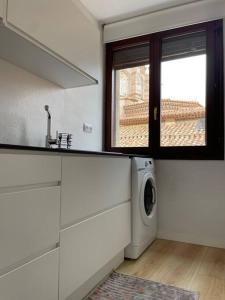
(91, 185)
(29, 224)
(86, 247)
(36, 280)
(17, 170)
(63, 27)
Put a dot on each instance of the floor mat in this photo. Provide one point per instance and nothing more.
(123, 287)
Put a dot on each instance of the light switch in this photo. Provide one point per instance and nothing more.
(87, 128)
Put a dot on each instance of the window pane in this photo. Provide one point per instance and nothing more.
(131, 97)
(183, 91)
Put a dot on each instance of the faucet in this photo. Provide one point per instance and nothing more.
(49, 140)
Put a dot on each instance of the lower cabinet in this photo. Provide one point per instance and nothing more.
(95, 190)
(22, 169)
(87, 246)
(29, 224)
(91, 185)
(36, 280)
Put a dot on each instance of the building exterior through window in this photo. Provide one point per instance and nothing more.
(182, 121)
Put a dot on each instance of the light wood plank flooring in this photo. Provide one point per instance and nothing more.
(188, 266)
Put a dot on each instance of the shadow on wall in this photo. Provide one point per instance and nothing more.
(14, 130)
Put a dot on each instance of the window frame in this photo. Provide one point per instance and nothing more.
(214, 90)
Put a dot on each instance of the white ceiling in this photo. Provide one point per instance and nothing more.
(107, 11)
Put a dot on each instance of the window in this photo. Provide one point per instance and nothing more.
(131, 93)
(183, 90)
(164, 93)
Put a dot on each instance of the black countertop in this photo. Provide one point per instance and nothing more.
(65, 151)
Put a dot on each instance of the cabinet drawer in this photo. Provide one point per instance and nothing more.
(29, 223)
(89, 245)
(28, 169)
(93, 184)
(37, 280)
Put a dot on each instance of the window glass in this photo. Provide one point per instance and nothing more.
(131, 97)
(183, 91)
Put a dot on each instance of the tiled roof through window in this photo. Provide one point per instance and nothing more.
(181, 124)
(182, 121)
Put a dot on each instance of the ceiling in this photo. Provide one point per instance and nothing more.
(107, 11)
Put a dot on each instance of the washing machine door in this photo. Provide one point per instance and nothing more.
(148, 198)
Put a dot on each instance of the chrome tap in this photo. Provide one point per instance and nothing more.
(49, 140)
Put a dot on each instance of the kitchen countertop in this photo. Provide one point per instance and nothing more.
(65, 151)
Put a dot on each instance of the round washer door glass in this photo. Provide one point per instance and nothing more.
(149, 199)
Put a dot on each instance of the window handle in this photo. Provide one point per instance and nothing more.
(155, 113)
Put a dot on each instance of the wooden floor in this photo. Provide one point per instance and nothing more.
(192, 267)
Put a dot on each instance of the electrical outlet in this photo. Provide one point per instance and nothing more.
(87, 128)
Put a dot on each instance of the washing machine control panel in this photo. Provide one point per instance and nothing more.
(148, 163)
(143, 164)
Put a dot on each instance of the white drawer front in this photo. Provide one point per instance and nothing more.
(93, 184)
(29, 223)
(89, 245)
(37, 280)
(28, 169)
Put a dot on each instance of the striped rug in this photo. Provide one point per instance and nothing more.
(124, 287)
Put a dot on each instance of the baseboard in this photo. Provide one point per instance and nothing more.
(192, 238)
(85, 289)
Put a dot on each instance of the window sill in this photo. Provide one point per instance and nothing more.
(173, 153)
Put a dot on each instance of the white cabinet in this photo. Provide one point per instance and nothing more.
(1, 8)
(95, 196)
(87, 246)
(62, 26)
(36, 280)
(93, 184)
(17, 170)
(29, 224)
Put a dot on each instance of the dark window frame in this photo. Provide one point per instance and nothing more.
(214, 95)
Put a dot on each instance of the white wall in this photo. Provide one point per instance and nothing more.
(191, 194)
(198, 11)
(192, 201)
(22, 116)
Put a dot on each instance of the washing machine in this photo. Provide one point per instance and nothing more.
(144, 207)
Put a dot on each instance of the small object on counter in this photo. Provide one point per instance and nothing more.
(64, 140)
(49, 141)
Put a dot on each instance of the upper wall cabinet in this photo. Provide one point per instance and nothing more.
(62, 26)
(51, 39)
